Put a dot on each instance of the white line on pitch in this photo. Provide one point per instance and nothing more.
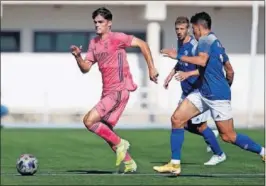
(141, 174)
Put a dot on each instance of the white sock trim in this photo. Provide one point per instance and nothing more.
(175, 161)
(262, 152)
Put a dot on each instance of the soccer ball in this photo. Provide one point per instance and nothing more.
(27, 164)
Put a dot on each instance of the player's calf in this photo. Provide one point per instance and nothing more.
(210, 140)
(181, 115)
(108, 135)
(216, 134)
(127, 158)
(229, 135)
(93, 124)
(203, 130)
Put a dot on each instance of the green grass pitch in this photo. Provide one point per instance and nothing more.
(77, 157)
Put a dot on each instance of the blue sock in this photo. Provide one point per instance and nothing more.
(246, 143)
(211, 140)
(177, 139)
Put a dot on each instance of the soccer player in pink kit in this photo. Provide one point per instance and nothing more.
(108, 50)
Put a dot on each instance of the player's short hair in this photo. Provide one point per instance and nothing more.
(182, 20)
(104, 12)
(193, 20)
(202, 18)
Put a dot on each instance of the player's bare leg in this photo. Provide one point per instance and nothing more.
(228, 134)
(182, 114)
(92, 122)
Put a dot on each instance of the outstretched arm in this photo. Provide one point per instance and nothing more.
(169, 78)
(204, 48)
(132, 41)
(181, 76)
(200, 60)
(145, 49)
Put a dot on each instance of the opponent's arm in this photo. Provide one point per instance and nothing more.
(181, 76)
(229, 72)
(169, 78)
(200, 60)
(204, 48)
(193, 73)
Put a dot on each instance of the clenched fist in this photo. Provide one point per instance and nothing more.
(76, 51)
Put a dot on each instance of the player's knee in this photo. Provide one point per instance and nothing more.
(176, 121)
(87, 120)
(229, 138)
(112, 122)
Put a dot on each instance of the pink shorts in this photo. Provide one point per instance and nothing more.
(112, 105)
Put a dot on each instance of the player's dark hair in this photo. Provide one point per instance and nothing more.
(182, 20)
(104, 12)
(204, 19)
(193, 20)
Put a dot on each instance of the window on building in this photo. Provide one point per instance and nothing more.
(10, 41)
(43, 42)
(53, 41)
(60, 41)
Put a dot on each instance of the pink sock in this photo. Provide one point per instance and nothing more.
(106, 133)
(127, 157)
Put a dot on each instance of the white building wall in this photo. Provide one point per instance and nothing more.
(31, 81)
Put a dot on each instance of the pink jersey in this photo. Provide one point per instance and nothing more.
(112, 61)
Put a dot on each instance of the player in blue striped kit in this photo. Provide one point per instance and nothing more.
(187, 45)
(213, 93)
